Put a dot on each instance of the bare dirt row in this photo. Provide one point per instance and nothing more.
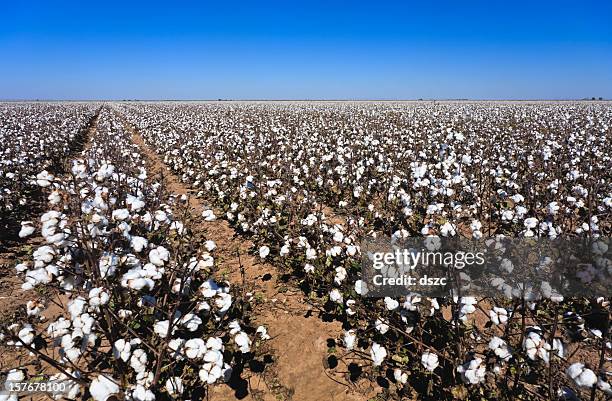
(296, 367)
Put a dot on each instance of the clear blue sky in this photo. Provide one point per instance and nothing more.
(308, 49)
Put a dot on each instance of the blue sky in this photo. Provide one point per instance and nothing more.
(305, 50)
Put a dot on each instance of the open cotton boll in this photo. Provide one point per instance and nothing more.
(98, 296)
(27, 229)
(263, 332)
(159, 256)
(44, 178)
(103, 387)
(174, 386)
(209, 215)
(336, 296)
(472, 372)
(191, 321)
(141, 393)
(138, 243)
(120, 214)
(399, 376)
(122, 349)
(264, 251)
(138, 360)
(378, 354)
(349, 339)
(26, 334)
(582, 376)
(194, 348)
(243, 341)
(429, 360)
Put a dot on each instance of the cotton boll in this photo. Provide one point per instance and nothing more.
(378, 354)
(102, 387)
(98, 297)
(159, 256)
(264, 251)
(335, 296)
(141, 393)
(122, 349)
(195, 348)
(349, 339)
(120, 214)
(174, 386)
(209, 215)
(263, 332)
(27, 229)
(581, 375)
(243, 342)
(429, 360)
(139, 360)
(472, 372)
(399, 376)
(26, 334)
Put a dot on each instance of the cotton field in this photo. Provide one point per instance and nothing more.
(213, 250)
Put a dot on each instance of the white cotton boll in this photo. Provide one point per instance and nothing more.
(391, 303)
(191, 321)
(195, 348)
(378, 354)
(214, 343)
(336, 296)
(161, 328)
(138, 243)
(243, 342)
(59, 327)
(429, 360)
(108, 264)
(77, 306)
(359, 287)
(472, 372)
(264, 251)
(263, 332)
(34, 308)
(141, 393)
(209, 288)
(498, 315)
(311, 254)
(381, 326)
(21, 267)
(210, 245)
(44, 254)
(120, 214)
(122, 349)
(159, 256)
(209, 215)
(26, 334)
(500, 348)
(43, 179)
(139, 360)
(174, 386)
(604, 386)
(399, 376)
(338, 236)
(98, 296)
(102, 387)
(583, 376)
(27, 229)
(210, 373)
(223, 301)
(285, 249)
(234, 327)
(308, 268)
(349, 339)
